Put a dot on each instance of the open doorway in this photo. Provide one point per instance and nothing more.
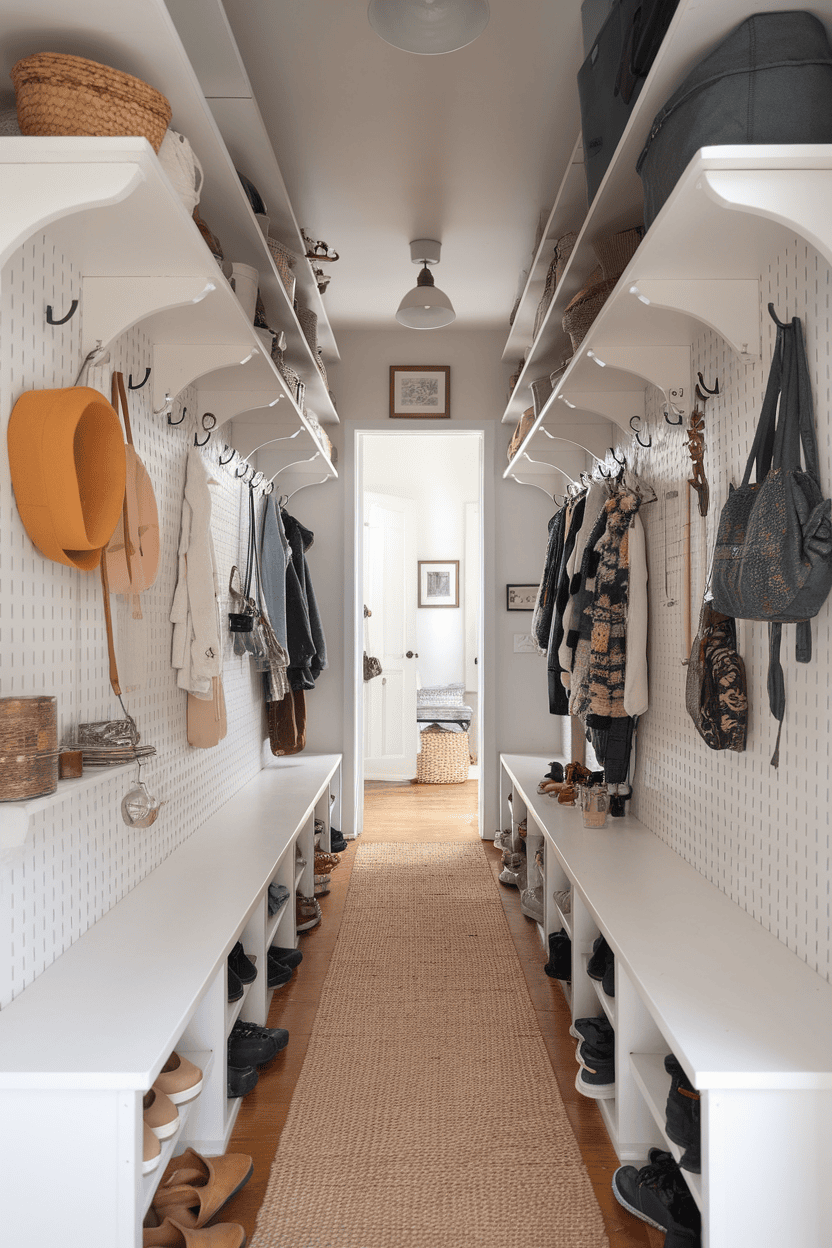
(420, 499)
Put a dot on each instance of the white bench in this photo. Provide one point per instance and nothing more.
(697, 976)
(83, 1043)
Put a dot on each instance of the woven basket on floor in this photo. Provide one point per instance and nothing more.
(59, 94)
(443, 758)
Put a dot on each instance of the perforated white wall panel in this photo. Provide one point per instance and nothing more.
(759, 834)
(80, 858)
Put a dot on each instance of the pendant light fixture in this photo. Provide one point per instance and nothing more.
(428, 27)
(425, 306)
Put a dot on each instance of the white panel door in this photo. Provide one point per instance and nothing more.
(390, 733)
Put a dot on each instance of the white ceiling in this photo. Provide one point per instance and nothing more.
(378, 146)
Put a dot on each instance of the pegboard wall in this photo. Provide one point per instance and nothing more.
(761, 835)
(80, 858)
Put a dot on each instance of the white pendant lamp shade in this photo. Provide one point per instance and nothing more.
(425, 306)
(428, 27)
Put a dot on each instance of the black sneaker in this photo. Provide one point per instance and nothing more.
(555, 773)
(240, 1080)
(243, 967)
(658, 1195)
(597, 1081)
(682, 1113)
(599, 960)
(597, 1030)
(587, 1054)
(337, 842)
(289, 957)
(252, 1045)
(235, 988)
(608, 978)
(559, 965)
(278, 973)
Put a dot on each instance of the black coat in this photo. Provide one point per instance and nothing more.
(304, 630)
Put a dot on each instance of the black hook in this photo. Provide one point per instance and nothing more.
(775, 317)
(50, 319)
(226, 447)
(205, 443)
(622, 462)
(174, 422)
(680, 421)
(601, 466)
(242, 464)
(644, 444)
(143, 382)
(703, 392)
(209, 421)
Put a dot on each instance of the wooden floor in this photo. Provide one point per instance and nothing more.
(418, 813)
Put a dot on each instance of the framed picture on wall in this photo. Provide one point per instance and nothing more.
(521, 597)
(438, 582)
(422, 391)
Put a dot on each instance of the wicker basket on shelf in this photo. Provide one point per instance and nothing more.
(69, 95)
(28, 747)
(443, 758)
(308, 321)
(284, 260)
(615, 253)
(523, 426)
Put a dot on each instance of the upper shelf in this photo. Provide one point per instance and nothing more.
(698, 265)
(141, 39)
(697, 27)
(109, 206)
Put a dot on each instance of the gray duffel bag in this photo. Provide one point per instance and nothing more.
(769, 81)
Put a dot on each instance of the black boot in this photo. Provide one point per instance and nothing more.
(559, 965)
(683, 1117)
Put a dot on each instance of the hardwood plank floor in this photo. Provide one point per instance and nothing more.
(418, 813)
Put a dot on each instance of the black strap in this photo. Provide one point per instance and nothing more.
(763, 444)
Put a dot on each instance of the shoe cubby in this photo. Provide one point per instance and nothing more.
(696, 976)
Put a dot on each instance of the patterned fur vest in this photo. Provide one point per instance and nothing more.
(601, 653)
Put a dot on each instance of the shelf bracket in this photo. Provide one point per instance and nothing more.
(35, 196)
(729, 306)
(795, 198)
(662, 364)
(113, 305)
(617, 406)
(229, 404)
(178, 366)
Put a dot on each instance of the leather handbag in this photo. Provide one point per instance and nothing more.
(716, 692)
(773, 555)
(287, 723)
(207, 723)
(132, 554)
(372, 667)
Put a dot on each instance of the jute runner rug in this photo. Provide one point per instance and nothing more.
(426, 1113)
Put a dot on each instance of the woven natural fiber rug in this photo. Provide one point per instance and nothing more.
(426, 1113)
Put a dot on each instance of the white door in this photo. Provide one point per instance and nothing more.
(390, 733)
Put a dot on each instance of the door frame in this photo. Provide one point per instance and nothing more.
(353, 815)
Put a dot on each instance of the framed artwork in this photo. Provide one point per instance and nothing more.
(422, 391)
(438, 582)
(521, 597)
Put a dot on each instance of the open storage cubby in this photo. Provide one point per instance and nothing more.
(130, 992)
(697, 976)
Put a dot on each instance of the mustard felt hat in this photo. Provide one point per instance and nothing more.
(68, 465)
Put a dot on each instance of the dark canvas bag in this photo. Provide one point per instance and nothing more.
(769, 81)
(773, 555)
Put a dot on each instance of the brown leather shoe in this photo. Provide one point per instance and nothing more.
(307, 913)
(172, 1233)
(197, 1187)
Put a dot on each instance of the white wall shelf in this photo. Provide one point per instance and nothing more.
(166, 989)
(699, 265)
(15, 817)
(699, 977)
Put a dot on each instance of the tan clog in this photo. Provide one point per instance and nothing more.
(173, 1233)
(160, 1114)
(179, 1079)
(199, 1186)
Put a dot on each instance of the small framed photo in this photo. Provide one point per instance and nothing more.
(521, 597)
(422, 391)
(439, 583)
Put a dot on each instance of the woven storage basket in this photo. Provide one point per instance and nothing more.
(563, 250)
(308, 321)
(285, 261)
(444, 757)
(28, 748)
(546, 299)
(319, 360)
(541, 389)
(586, 305)
(524, 424)
(59, 94)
